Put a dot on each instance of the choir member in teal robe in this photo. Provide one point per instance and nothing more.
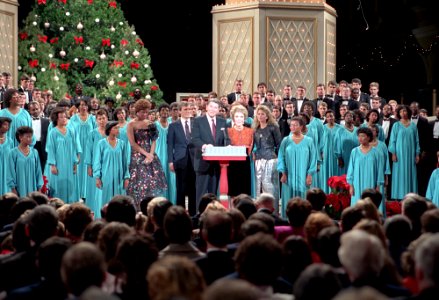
(297, 161)
(83, 122)
(19, 116)
(315, 131)
(346, 140)
(110, 167)
(97, 134)
(433, 187)
(5, 147)
(162, 152)
(329, 166)
(365, 169)
(372, 119)
(384, 156)
(24, 168)
(404, 146)
(120, 115)
(63, 150)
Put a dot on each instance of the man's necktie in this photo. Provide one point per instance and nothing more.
(187, 131)
(213, 129)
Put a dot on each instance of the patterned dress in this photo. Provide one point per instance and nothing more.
(145, 179)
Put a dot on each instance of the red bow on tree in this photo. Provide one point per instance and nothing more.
(122, 84)
(139, 41)
(41, 2)
(106, 42)
(134, 65)
(62, 1)
(23, 36)
(117, 63)
(90, 1)
(64, 66)
(78, 39)
(124, 42)
(112, 4)
(131, 94)
(89, 63)
(42, 38)
(154, 88)
(52, 65)
(54, 40)
(33, 63)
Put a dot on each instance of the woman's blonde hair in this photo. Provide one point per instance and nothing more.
(238, 108)
(270, 118)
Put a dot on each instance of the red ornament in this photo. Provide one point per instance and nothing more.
(52, 65)
(122, 84)
(154, 88)
(78, 39)
(131, 94)
(106, 42)
(134, 65)
(54, 40)
(23, 36)
(117, 63)
(62, 1)
(42, 38)
(124, 42)
(89, 63)
(112, 4)
(64, 66)
(139, 41)
(33, 63)
(90, 1)
(41, 2)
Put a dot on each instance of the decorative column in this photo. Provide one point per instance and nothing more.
(8, 37)
(278, 42)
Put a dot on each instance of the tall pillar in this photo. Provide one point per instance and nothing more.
(274, 41)
(8, 37)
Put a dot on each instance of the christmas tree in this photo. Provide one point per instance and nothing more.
(65, 42)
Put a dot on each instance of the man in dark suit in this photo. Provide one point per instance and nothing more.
(234, 96)
(346, 99)
(181, 157)
(283, 125)
(217, 232)
(299, 100)
(208, 131)
(24, 84)
(356, 84)
(320, 91)
(39, 125)
(425, 139)
(387, 122)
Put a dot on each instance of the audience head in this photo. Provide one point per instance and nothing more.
(297, 211)
(77, 217)
(245, 204)
(374, 195)
(317, 198)
(109, 238)
(351, 216)
(427, 262)
(265, 200)
(398, 230)
(121, 209)
(205, 200)
(266, 219)
(328, 243)
(413, 206)
(92, 231)
(314, 224)
(296, 257)
(217, 229)
(250, 266)
(39, 197)
(83, 265)
(237, 289)
(317, 281)
(50, 255)
(251, 227)
(42, 222)
(177, 225)
(175, 277)
(237, 220)
(361, 254)
(430, 221)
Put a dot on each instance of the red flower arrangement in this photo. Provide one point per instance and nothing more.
(44, 188)
(339, 198)
(393, 208)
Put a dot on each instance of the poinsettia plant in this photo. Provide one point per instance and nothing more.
(339, 198)
(393, 208)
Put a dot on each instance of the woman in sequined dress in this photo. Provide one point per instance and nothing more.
(146, 174)
(267, 139)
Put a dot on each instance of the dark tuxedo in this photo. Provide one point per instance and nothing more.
(215, 264)
(284, 128)
(392, 121)
(40, 145)
(181, 154)
(296, 109)
(365, 98)
(424, 168)
(352, 104)
(316, 102)
(232, 97)
(207, 173)
(369, 101)
(28, 94)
